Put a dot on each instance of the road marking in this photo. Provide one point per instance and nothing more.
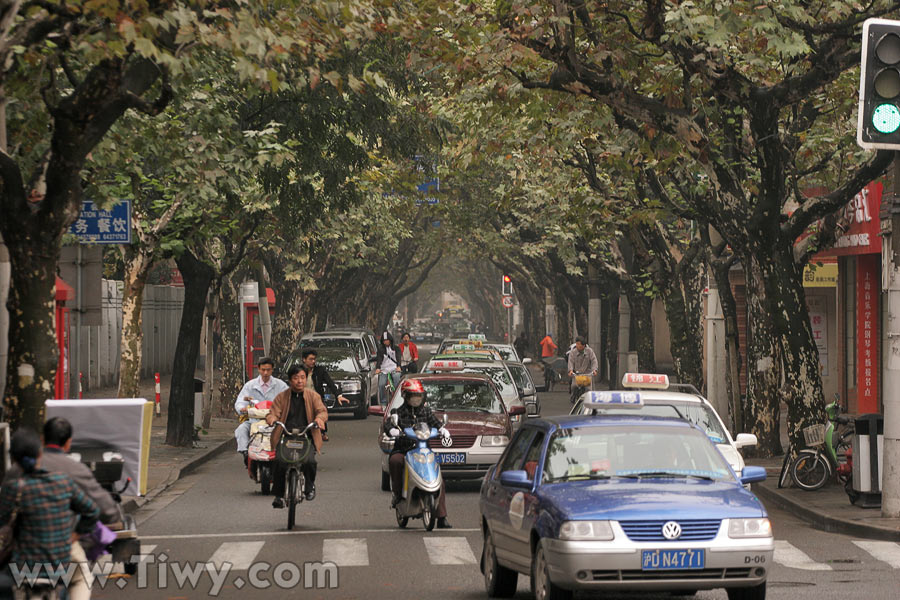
(346, 552)
(239, 554)
(258, 534)
(888, 552)
(449, 551)
(792, 557)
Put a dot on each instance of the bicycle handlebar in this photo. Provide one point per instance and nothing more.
(284, 429)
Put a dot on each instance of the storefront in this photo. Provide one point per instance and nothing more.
(859, 306)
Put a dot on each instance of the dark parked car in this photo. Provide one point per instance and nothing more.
(348, 376)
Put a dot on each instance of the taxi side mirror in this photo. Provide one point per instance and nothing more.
(516, 410)
(526, 361)
(377, 411)
(517, 479)
(745, 439)
(753, 475)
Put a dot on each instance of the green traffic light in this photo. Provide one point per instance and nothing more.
(886, 118)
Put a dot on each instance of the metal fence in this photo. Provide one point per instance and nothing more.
(99, 362)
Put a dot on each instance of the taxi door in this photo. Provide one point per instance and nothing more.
(509, 505)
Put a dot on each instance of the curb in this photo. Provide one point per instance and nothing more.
(826, 522)
(133, 504)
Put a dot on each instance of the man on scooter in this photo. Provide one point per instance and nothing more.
(296, 407)
(412, 411)
(264, 387)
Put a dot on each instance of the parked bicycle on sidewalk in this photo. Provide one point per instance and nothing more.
(826, 455)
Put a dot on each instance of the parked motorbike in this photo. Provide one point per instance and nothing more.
(422, 479)
(260, 454)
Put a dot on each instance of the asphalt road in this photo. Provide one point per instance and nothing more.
(216, 515)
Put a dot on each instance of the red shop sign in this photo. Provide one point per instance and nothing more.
(868, 290)
(862, 235)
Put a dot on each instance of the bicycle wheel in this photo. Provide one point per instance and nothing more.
(810, 470)
(293, 486)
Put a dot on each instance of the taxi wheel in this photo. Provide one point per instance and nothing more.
(499, 582)
(543, 588)
(748, 593)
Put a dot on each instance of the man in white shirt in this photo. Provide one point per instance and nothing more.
(264, 387)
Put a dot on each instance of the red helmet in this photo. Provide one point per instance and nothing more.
(412, 386)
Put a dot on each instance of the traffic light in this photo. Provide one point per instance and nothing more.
(507, 286)
(878, 124)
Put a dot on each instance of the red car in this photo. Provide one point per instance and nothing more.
(478, 422)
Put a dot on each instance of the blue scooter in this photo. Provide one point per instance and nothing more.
(422, 479)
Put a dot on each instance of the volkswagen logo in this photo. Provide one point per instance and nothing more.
(671, 530)
(446, 442)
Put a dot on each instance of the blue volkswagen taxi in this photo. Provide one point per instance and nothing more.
(621, 503)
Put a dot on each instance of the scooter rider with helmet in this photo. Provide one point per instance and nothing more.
(412, 411)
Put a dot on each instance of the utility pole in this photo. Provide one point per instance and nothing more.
(890, 479)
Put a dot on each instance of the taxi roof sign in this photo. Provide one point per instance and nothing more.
(477, 337)
(446, 364)
(462, 347)
(605, 399)
(647, 381)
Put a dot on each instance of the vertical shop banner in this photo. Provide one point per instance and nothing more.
(868, 289)
(818, 319)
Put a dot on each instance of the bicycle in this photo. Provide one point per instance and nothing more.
(583, 383)
(824, 457)
(294, 449)
(389, 386)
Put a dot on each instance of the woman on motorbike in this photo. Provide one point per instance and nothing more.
(412, 411)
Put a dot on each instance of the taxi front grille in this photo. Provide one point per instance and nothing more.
(680, 574)
(459, 441)
(651, 531)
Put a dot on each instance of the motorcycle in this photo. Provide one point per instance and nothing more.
(422, 479)
(260, 454)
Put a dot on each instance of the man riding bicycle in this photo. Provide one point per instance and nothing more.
(582, 362)
(296, 407)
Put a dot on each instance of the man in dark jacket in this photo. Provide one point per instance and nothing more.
(412, 411)
(320, 381)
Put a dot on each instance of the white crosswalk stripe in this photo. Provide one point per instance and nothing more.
(790, 556)
(346, 552)
(239, 554)
(888, 552)
(449, 551)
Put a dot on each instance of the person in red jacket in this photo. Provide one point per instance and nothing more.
(409, 355)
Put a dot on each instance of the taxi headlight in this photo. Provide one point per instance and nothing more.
(494, 440)
(586, 530)
(749, 528)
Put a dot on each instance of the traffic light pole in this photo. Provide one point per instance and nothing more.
(890, 479)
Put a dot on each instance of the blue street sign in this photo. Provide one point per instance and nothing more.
(425, 188)
(98, 226)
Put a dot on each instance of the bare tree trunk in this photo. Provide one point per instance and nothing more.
(198, 277)
(763, 367)
(233, 375)
(209, 366)
(137, 267)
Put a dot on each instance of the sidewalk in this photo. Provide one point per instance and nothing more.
(169, 463)
(828, 508)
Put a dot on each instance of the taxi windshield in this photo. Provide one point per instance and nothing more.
(469, 397)
(521, 376)
(498, 375)
(632, 452)
(506, 352)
